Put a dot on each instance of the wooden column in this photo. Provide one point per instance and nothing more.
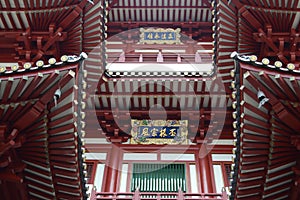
(205, 167)
(112, 169)
(295, 190)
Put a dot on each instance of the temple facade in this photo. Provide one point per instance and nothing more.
(139, 99)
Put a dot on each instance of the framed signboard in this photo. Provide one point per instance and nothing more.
(159, 36)
(159, 132)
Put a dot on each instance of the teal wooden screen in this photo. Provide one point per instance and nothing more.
(158, 177)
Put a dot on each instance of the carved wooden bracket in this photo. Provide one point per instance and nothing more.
(32, 45)
(295, 140)
(281, 45)
(9, 164)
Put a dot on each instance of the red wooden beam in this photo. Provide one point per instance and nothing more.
(62, 25)
(253, 165)
(277, 106)
(38, 170)
(7, 90)
(38, 177)
(64, 158)
(36, 185)
(255, 158)
(249, 183)
(171, 112)
(9, 176)
(68, 190)
(18, 89)
(255, 129)
(278, 161)
(272, 85)
(150, 23)
(70, 174)
(274, 190)
(249, 192)
(4, 147)
(295, 140)
(112, 170)
(256, 121)
(205, 172)
(56, 136)
(57, 164)
(39, 193)
(32, 86)
(277, 194)
(60, 110)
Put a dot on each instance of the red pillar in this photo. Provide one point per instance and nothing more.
(205, 167)
(295, 191)
(112, 169)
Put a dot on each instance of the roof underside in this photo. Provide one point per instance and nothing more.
(30, 31)
(40, 150)
(33, 30)
(193, 17)
(265, 154)
(255, 27)
(163, 98)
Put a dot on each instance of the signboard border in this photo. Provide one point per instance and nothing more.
(136, 139)
(159, 30)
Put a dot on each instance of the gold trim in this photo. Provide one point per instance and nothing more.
(171, 36)
(182, 124)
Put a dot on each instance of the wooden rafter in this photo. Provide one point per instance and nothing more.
(32, 145)
(265, 139)
(284, 45)
(11, 167)
(278, 106)
(30, 39)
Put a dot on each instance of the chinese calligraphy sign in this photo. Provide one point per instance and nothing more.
(159, 132)
(160, 36)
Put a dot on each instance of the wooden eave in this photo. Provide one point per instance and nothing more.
(31, 31)
(255, 28)
(194, 18)
(264, 153)
(39, 146)
(120, 98)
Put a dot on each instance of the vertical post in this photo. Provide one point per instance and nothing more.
(136, 195)
(180, 194)
(295, 190)
(93, 195)
(112, 169)
(205, 170)
(224, 194)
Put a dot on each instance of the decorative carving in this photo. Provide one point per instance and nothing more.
(281, 45)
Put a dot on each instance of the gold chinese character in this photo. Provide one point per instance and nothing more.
(145, 132)
(172, 132)
(170, 36)
(150, 36)
(164, 36)
(156, 36)
(154, 132)
(163, 133)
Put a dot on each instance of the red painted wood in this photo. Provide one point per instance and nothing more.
(206, 176)
(295, 191)
(112, 169)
